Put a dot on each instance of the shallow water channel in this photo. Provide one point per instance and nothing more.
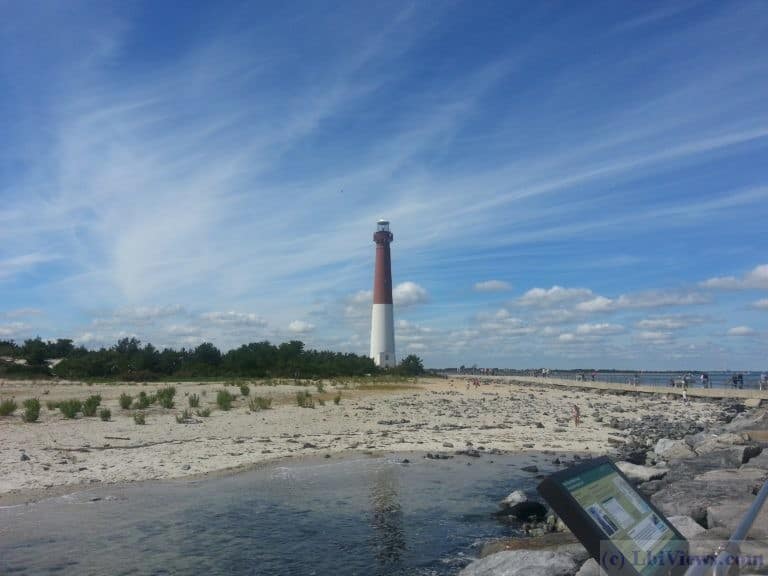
(357, 515)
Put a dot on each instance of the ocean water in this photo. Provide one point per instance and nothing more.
(354, 516)
(717, 379)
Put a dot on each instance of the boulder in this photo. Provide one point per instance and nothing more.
(760, 461)
(590, 568)
(753, 402)
(667, 449)
(752, 420)
(724, 439)
(732, 456)
(691, 497)
(638, 474)
(564, 542)
(728, 515)
(651, 487)
(514, 498)
(687, 526)
(523, 563)
(745, 475)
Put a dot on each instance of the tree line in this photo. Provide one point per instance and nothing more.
(128, 359)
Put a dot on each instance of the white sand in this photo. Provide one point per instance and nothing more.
(64, 454)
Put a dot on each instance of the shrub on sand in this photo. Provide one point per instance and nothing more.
(105, 414)
(125, 401)
(224, 399)
(8, 407)
(142, 402)
(31, 410)
(70, 408)
(259, 403)
(165, 396)
(194, 400)
(304, 399)
(139, 418)
(184, 417)
(90, 405)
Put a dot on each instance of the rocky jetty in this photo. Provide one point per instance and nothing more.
(702, 479)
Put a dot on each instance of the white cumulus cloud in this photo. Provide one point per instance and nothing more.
(761, 304)
(741, 331)
(409, 294)
(12, 329)
(756, 278)
(300, 327)
(599, 329)
(544, 297)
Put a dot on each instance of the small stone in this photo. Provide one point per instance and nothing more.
(24, 457)
(186, 467)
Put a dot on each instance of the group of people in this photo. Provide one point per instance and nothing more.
(736, 381)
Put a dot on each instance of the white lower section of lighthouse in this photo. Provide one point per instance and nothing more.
(383, 336)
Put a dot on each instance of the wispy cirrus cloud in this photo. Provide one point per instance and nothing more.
(492, 286)
(208, 178)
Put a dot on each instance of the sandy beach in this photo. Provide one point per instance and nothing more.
(429, 415)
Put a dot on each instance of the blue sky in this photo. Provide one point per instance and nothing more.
(569, 183)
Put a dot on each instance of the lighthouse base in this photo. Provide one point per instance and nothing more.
(383, 336)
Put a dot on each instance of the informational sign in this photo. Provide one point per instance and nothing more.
(622, 530)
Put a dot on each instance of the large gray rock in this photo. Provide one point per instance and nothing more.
(730, 456)
(751, 420)
(729, 515)
(518, 505)
(590, 568)
(667, 449)
(687, 526)
(638, 474)
(692, 497)
(724, 439)
(732, 443)
(752, 476)
(760, 461)
(514, 498)
(523, 563)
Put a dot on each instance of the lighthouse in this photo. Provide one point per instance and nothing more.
(382, 319)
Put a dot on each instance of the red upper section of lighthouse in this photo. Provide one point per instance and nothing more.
(382, 281)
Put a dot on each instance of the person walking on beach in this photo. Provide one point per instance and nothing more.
(576, 415)
(685, 395)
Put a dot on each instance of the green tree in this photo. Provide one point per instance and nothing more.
(411, 365)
